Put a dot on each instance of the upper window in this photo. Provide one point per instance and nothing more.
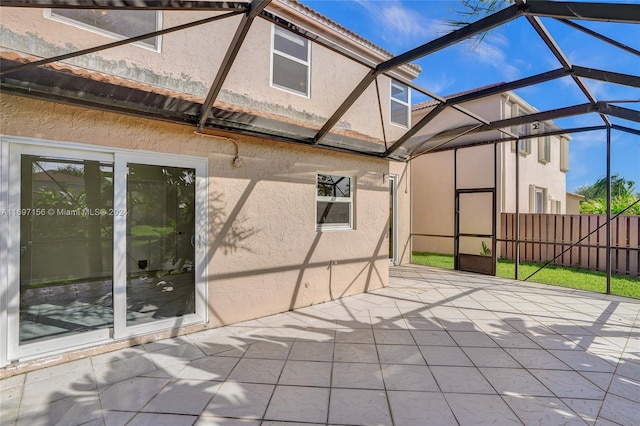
(515, 112)
(118, 24)
(334, 202)
(544, 142)
(523, 145)
(291, 61)
(544, 149)
(400, 104)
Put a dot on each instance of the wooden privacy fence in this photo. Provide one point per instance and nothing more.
(544, 236)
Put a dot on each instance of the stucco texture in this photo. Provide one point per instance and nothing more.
(265, 255)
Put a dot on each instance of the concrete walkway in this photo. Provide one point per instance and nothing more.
(436, 347)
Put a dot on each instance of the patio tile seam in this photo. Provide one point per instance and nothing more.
(275, 385)
(384, 384)
(503, 395)
(333, 360)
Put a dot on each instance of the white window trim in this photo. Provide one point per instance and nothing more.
(97, 30)
(525, 151)
(533, 193)
(350, 200)
(544, 149)
(564, 154)
(514, 111)
(10, 148)
(401, 102)
(307, 63)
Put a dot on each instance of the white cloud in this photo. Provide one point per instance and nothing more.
(401, 27)
(488, 52)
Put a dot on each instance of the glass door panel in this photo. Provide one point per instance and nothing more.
(66, 247)
(160, 243)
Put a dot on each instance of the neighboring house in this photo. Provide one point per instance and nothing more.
(543, 163)
(573, 203)
(162, 231)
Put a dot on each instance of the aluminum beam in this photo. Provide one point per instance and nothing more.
(527, 119)
(466, 32)
(620, 112)
(558, 132)
(587, 11)
(505, 87)
(608, 227)
(451, 138)
(626, 129)
(416, 128)
(236, 43)
(118, 43)
(128, 4)
(557, 52)
(270, 17)
(543, 116)
(453, 37)
(478, 94)
(607, 76)
(601, 37)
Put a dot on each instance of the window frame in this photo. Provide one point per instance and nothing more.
(307, 63)
(406, 104)
(564, 154)
(50, 14)
(350, 200)
(11, 148)
(542, 192)
(544, 149)
(522, 145)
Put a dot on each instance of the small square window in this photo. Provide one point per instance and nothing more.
(334, 202)
(400, 104)
(119, 24)
(290, 61)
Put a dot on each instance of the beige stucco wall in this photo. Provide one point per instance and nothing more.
(433, 180)
(265, 255)
(532, 173)
(573, 203)
(189, 60)
(434, 199)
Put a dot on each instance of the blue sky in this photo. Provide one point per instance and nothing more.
(511, 52)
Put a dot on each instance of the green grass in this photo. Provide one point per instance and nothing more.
(582, 279)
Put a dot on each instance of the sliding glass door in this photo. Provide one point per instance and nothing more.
(66, 246)
(102, 246)
(160, 242)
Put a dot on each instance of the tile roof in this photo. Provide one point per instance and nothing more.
(224, 106)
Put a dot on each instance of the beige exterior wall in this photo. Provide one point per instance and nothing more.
(433, 189)
(188, 62)
(533, 173)
(265, 255)
(573, 203)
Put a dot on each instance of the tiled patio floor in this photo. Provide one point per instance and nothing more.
(436, 347)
